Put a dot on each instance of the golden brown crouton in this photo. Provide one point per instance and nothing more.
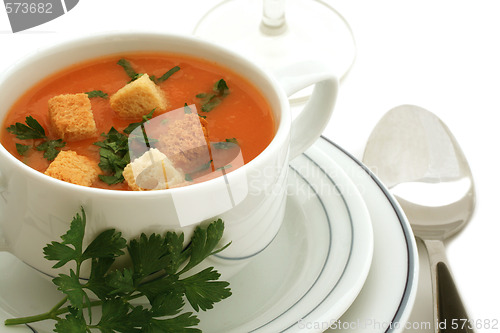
(71, 117)
(152, 171)
(73, 168)
(186, 143)
(138, 98)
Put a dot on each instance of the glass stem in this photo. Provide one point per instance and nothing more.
(273, 17)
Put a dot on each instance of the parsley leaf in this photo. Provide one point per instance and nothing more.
(133, 75)
(155, 272)
(129, 70)
(202, 289)
(114, 151)
(203, 244)
(179, 324)
(97, 93)
(98, 274)
(167, 304)
(72, 323)
(32, 130)
(227, 144)
(108, 244)
(71, 246)
(165, 76)
(210, 100)
(114, 156)
(22, 149)
(130, 128)
(117, 316)
(152, 248)
(121, 281)
(50, 148)
(70, 285)
(221, 88)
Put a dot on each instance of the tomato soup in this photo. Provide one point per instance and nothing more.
(226, 108)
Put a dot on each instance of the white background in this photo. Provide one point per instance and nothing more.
(443, 55)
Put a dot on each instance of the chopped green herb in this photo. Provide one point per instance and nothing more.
(22, 149)
(130, 128)
(187, 109)
(97, 93)
(142, 138)
(114, 156)
(133, 75)
(228, 144)
(32, 130)
(114, 151)
(210, 100)
(49, 148)
(232, 140)
(116, 288)
(165, 76)
(203, 167)
(221, 88)
(129, 69)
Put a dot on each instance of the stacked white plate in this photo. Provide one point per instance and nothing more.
(345, 259)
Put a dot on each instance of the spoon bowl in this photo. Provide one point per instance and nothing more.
(417, 157)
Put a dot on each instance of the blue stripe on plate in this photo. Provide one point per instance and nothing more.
(406, 229)
(329, 245)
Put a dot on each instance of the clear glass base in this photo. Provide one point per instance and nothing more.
(313, 31)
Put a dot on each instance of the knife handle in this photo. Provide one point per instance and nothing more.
(450, 315)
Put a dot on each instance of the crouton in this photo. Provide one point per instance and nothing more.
(138, 98)
(152, 171)
(73, 168)
(71, 117)
(186, 143)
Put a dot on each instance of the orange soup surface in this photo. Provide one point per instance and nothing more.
(235, 119)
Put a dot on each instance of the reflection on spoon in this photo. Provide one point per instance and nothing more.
(417, 157)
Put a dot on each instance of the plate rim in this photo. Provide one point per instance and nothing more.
(364, 222)
(402, 312)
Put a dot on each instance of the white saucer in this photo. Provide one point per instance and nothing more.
(386, 300)
(310, 274)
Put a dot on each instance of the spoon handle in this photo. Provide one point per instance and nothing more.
(449, 311)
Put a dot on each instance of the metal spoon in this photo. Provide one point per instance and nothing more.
(415, 155)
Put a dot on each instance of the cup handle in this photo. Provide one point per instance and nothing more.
(3, 241)
(313, 118)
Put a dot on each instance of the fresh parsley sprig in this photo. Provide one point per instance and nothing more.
(114, 152)
(32, 130)
(114, 156)
(210, 100)
(165, 256)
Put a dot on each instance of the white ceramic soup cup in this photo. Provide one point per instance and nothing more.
(36, 209)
